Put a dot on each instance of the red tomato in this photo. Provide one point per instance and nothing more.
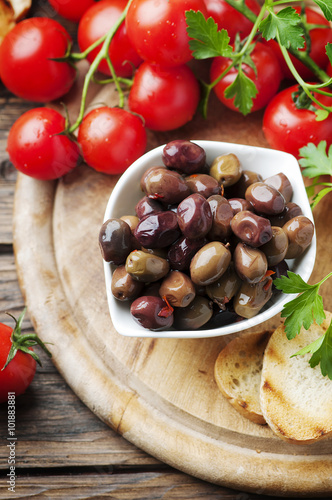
(111, 139)
(319, 38)
(36, 148)
(230, 19)
(267, 80)
(157, 29)
(19, 373)
(27, 65)
(289, 129)
(166, 98)
(95, 23)
(72, 10)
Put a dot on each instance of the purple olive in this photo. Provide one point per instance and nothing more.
(251, 228)
(157, 230)
(194, 216)
(184, 156)
(152, 313)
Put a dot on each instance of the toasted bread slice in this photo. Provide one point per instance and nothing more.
(237, 372)
(296, 400)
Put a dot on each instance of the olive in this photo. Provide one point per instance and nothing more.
(240, 204)
(299, 231)
(147, 311)
(226, 169)
(279, 270)
(132, 221)
(182, 251)
(250, 263)
(184, 156)
(194, 216)
(160, 252)
(276, 249)
(265, 199)
(115, 241)
(222, 215)
(209, 263)
(251, 228)
(145, 267)
(123, 286)
(157, 230)
(147, 206)
(238, 189)
(165, 186)
(282, 184)
(222, 317)
(224, 289)
(193, 316)
(250, 299)
(178, 289)
(290, 211)
(203, 184)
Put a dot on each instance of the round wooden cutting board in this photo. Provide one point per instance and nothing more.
(160, 394)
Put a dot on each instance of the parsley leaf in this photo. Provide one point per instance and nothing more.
(244, 90)
(287, 25)
(315, 160)
(329, 51)
(321, 350)
(326, 6)
(206, 40)
(306, 308)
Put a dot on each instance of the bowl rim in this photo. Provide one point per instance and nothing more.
(117, 308)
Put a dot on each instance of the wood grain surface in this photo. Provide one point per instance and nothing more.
(159, 394)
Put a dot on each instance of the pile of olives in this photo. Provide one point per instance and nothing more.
(205, 243)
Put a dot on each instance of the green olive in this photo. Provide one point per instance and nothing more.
(123, 286)
(178, 289)
(276, 249)
(226, 169)
(224, 289)
(250, 263)
(209, 263)
(193, 316)
(250, 299)
(146, 267)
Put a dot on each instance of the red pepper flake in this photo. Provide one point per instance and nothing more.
(267, 284)
(267, 274)
(155, 196)
(166, 311)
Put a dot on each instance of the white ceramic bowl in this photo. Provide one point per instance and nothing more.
(127, 193)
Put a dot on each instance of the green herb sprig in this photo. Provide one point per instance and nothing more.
(303, 311)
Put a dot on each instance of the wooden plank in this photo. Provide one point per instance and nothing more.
(129, 486)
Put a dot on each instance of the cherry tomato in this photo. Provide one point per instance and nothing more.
(166, 98)
(17, 360)
(319, 37)
(157, 29)
(289, 129)
(72, 10)
(95, 23)
(267, 79)
(111, 139)
(230, 19)
(36, 148)
(27, 65)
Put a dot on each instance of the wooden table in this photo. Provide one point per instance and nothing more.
(63, 450)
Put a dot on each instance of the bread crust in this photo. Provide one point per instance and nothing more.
(295, 399)
(237, 372)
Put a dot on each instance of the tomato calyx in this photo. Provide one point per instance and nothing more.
(302, 100)
(23, 342)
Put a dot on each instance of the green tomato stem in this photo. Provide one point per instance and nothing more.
(103, 54)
